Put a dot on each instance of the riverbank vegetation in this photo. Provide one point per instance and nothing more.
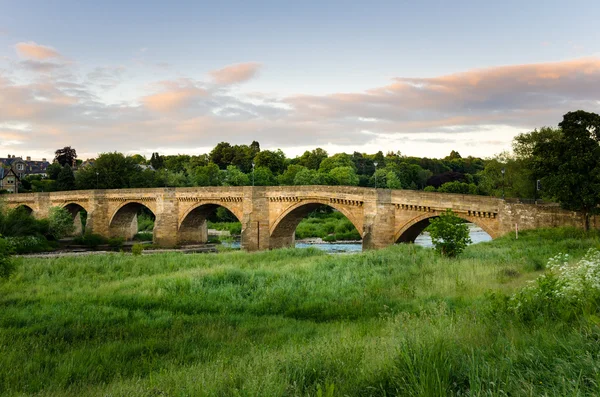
(399, 321)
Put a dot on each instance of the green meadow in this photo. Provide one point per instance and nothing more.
(396, 322)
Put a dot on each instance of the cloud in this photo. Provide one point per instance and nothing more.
(234, 74)
(477, 111)
(175, 95)
(36, 51)
(522, 95)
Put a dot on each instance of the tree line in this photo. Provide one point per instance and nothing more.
(555, 163)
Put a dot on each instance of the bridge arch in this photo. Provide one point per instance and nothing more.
(282, 231)
(25, 208)
(412, 229)
(192, 227)
(79, 220)
(124, 220)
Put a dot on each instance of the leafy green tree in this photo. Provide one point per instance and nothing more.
(263, 177)
(235, 177)
(53, 170)
(458, 188)
(287, 178)
(308, 177)
(312, 159)
(66, 155)
(208, 175)
(393, 182)
(138, 159)
(60, 222)
(570, 164)
(66, 179)
(156, 161)
(176, 163)
(379, 178)
(110, 171)
(345, 176)
(335, 161)
(273, 160)
(449, 234)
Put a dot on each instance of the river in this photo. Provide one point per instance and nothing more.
(475, 232)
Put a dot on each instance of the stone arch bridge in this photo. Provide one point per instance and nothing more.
(269, 215)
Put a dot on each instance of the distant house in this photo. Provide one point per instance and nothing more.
(9, 180)
(25, 167)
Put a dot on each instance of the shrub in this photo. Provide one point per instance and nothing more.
(143, 236)
(90, 240)
(136, 249)
(116, 242)
(449, 234)
(60, 222)
(28, 244)
(7, 265)
(566, 291)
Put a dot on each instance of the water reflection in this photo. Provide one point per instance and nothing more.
(477, 236)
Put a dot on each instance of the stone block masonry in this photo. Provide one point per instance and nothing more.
(270, 215)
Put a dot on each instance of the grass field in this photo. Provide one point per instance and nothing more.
(399, 321)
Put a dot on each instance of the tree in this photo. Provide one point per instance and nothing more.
(235, 177)
(312, 160)
(449, 234)
(264, 177)
(208, 175)
(273, 160)
(60, 222)
(287, 178)
(66, 179)
(308, 177)
(65, 156)
(53, 170)
(570, 164)
(156, 161)
(110, 171)
(393, 182)
(344, 176)
(335, 161)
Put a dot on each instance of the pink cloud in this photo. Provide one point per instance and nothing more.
(174, 96)
(237, 73)
(36, 51)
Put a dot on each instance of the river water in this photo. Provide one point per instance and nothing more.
(477, 236)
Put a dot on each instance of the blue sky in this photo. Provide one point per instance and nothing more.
(304, 74)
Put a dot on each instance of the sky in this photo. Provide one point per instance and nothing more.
(422, 78)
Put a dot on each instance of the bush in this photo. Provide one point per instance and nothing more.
(19, 222)
(143, 236)
(116, 242)
(7, 265)
(60, 222)
(449, 234)
(90, 240)
(136, 249)
(566, 291)
(28, 244)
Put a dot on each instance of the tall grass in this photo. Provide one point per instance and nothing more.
(399, 321)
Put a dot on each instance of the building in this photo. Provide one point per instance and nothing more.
(25, 167)
(9, 180)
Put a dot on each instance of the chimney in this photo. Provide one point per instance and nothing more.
(43, 159)
(28, 158)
